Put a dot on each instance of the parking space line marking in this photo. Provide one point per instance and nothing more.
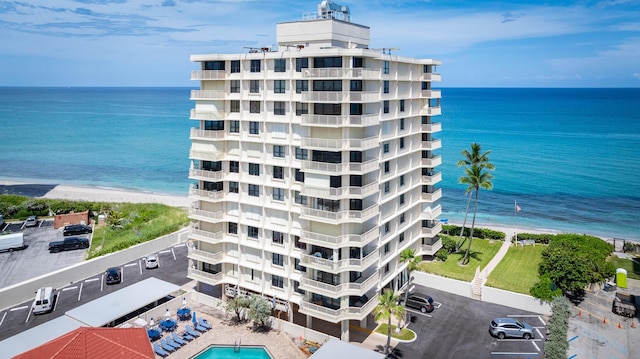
(174, 254)
(540, 334)
(535, 345)
(417, 312)
(519, 340)
(179, 245)
(57, 301)
(70, 288)
(543, 323)
(91, 280)
(140, 265)
(2, 320)
(80, 291)
(523, 316)
(18, 308)
(572, 339)
(28, 315)
(101, 282)
(130, 265)
(165, 251)
(512, 353)
(122, 275)
(437, 305)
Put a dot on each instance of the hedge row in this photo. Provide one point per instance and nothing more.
(20, 207)
(542, 238)
(557, 345)
(482, 233)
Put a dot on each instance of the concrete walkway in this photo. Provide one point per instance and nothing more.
(493, 263)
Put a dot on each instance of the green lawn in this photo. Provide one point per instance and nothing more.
(518, 270)
(633, 268)
(405, 334)
(481, 253)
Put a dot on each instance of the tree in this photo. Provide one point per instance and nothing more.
(409, 256)
(475, 178)
(237, 305)
(387, 308)
(472, 158)
(259, 311)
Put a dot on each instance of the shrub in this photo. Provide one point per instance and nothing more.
(557, 344)
(482, 233)
(448, 244)
(545, 289)
(542, 238)
(442, 255)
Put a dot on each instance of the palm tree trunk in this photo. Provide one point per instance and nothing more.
(386, 349)
(466, 213)
(465, 260)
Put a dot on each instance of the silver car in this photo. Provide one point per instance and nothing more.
(507, 327)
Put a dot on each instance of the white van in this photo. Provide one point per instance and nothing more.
(44, 300)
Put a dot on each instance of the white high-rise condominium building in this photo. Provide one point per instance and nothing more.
(315, 169)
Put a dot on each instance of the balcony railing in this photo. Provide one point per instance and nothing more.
(334, 291)
(432, 145)
(432, 197)
(205, 277)
(431, 213)
(431, 77)
(206, 195)
(432, 162)
(204, 256)
(339, 241)
(333, 72)
(432, 127)
(207, 216)
(208, 75)
(339, 121)
(208, 95)
(340, 168)
(432, 231)
(335, 266)
(207, 115)
(207, 175)
(325, 96)
(341, 144)
(207, 156)
(431, 111)
(433, 179)
(341, 216)
(364, 96)
(337, 315)
(431, 93)
(206, 236)
(340, 192)
(430, 249)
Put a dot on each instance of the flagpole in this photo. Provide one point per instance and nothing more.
(515, 210)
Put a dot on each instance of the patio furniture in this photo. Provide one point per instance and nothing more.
(203, 323)
(176, 338)
(168, 325)
(154, 334)
(158, 350)
(165, 346)
(184, 313)
(191, 331)
(172, 342)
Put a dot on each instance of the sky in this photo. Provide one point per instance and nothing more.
(517, 43)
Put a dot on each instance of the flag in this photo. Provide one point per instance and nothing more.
(518, 209)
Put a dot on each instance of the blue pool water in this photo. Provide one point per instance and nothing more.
(222, 352)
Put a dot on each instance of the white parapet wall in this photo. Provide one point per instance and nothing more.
(449, 285)
(515, 300)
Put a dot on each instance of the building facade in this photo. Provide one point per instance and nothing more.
(315, 169)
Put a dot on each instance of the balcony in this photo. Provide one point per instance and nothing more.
(431, 94)
(208, 95)
(431, 127)
(433, 179)
(432, 231)
(432, 197)
(206, 195)
(430, 249)
(206, 216)
(341, 144)
(208, 75)
(207, 175)
(205, 277)
(340, 192)
(206, 236)
(337, 315)
(432, 145)
(338, 72)
(340, 216)
(431, 77)
(431, 213)
(207, 156)
(340, 121)
(207, 115)
(340, 168)
(360, 287)
(325, 96)
(431, 162)
(344, 240)
(204, 256)
(364, 96)
(198, 134)
(431, 111)
(335, 266)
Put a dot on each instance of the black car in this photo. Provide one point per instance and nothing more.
(419, 301)
(75, 229)
(68, 244)
(114, 275)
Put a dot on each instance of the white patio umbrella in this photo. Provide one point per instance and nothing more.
(167, 314)
(140, 322)
(152, 322)
(184, 302)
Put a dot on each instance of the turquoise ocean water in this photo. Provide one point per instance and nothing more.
(568, 156)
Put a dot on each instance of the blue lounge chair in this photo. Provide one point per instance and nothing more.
(172, 342)
(191, 332)
(166, 345)
(200, 328)
(156, 348)
(176, 338)
(186, 336)
(203, 322)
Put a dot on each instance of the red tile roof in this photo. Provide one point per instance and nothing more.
(95, 343)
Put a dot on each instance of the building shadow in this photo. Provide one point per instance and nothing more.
(28, 190)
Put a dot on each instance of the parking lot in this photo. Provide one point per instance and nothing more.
(459, 328)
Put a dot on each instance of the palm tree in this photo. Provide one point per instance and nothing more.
(476, 178)
(409, 256)
(472, 158)
(388, 307)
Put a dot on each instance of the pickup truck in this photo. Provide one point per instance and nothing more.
(624, 304)
(68, 243)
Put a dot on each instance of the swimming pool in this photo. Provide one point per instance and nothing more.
(228, 352)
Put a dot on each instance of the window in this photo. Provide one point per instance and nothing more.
(385, 148)
(385, 107)
(254, 86)
(301, 153)
(234, 126)
(300, 199)
(278, 151)
(401, 237)
(235, 66)
(334, 109)
(386, 167)
(280, 65)
(277, 281)
(277, 237)
(402, 180)
(302, 108)
(211, 166)
(335, 181)
(327, 85)
(254, 169)
(356, 85)
(299, 244)
(254, 127)
(385, 88)
(386, 228)
(386, 268)
(425, 120)
(278, 108)
(217, 125)
(355, 109)
(232, 228)
(358, 62)
(302, 85)
(234, 86)
(402, 218)
(402, 199)
(234, 106)
(299, 175)
(255, 66)
(254, 190)
(278, 172)
(298, 266)
(302, 63)
(355, 156)
(233, 187)
(401, 124)
(278, 194)
(254, 106)
(252, 232)
(322, 62)
(386, 187)
(355, 204)
(401, 142)
(401, 105)
(386, 248)
(213, 186)
(214, 65)
(385, 67)
(234, 166)
(277, 259)
(279, 86)
(355, 180)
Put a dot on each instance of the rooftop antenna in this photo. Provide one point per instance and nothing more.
(386, 50)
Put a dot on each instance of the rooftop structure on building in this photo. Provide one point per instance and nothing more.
(316, 166)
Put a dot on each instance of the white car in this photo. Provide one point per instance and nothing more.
(151, 261)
